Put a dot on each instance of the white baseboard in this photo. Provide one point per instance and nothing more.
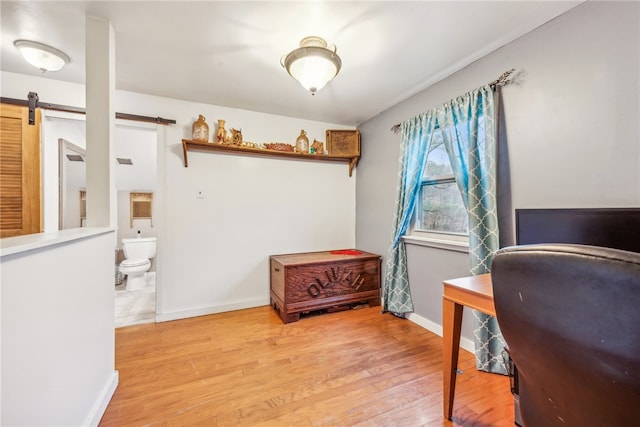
(176, 315)
(100, 405)
(465, 343)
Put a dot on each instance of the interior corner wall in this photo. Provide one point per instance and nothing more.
(572, 133)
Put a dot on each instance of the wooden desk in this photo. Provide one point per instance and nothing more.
(474, 292)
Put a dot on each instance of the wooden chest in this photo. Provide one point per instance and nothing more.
(311, 281)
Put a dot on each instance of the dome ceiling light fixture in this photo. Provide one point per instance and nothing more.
(42, 56)
(312, 64)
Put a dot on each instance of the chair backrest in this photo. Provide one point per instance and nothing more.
(570, 315)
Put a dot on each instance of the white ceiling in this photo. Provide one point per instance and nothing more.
(228, 53)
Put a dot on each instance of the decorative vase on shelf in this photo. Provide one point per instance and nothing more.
(221, 136)
(236, 136)
(302, 143)
(200, 129)
(318, 147)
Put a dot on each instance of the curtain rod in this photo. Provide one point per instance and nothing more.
(503, 80)
(33, 102)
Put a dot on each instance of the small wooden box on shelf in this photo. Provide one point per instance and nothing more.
(343, 143)
(333, 280)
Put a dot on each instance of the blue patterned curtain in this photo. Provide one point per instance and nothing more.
(416, 138)
(470, 132)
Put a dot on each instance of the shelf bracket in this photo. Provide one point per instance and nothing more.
(184, 153)
(352, 163)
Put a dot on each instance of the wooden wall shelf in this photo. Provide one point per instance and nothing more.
(190, 145)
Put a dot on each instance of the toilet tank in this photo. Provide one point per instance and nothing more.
(139, 248)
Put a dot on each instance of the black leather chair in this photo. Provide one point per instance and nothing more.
(570, 315)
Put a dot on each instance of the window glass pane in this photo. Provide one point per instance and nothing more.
(442, 209)
(438, 164)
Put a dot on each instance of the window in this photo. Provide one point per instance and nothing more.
(440, 212)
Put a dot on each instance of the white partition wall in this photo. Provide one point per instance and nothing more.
(57, 339)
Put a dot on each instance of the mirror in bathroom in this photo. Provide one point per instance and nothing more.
(71, 185)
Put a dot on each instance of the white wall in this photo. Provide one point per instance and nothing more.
(136, 141)
(572, 130)
(57, 311)
(213, 252)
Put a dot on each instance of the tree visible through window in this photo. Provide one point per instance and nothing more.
(440, 208)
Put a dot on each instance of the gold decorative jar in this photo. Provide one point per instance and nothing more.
(200, 129)
(302, 143)
(221, 136)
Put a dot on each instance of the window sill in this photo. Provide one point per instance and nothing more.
(431, 242)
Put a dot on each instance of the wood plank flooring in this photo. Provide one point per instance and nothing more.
(246, 368)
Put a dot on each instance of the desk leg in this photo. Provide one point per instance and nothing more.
(451, 327)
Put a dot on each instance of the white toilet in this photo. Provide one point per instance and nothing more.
(138, 253)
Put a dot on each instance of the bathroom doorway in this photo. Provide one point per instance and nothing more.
(135, 171)
(136, 183)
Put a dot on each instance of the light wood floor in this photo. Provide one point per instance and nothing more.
(246, 368)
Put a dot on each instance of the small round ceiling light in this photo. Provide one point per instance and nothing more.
(42, 56)
(312, 64)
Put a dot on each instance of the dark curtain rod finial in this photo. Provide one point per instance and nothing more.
(503, 80)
